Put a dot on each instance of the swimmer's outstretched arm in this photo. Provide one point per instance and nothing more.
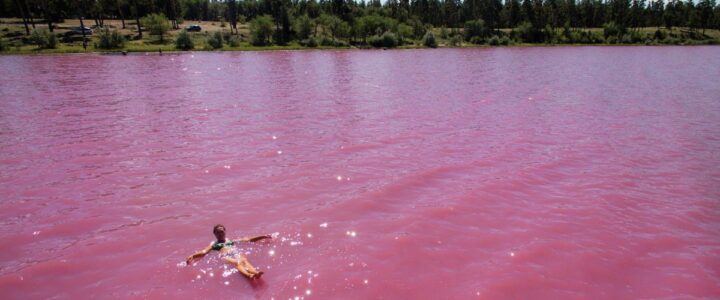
(199, 254)
(255, 238)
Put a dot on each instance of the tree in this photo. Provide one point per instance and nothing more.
(184, 42)
(303, 27)
(261, 29)
(157, 24)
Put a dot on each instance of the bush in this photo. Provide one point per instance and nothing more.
(234, 41)
(455, 41)
(387, 40)
(526, 32)
(184, 42)
(476, 28)
(215, 41)
(261, 29)
(613, 29)
(611, 39)
(156, 24)
(494, 41)
(505, 41)
(303, 27)
(310, 42)
(3, 47)
(659, 35)
(404, 32)
(110, 39)
(444, 33)
(477, 40)
(626, 39)
(429, 40)
(43, 39)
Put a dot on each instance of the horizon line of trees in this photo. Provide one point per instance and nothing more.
(417, 15)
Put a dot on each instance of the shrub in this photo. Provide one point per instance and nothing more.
(526, 32)
(626, 39)
(3, 47)
(613, 29)
(611, 39)
(179, 20)
(309, 42)
(261, 29)
(429, 40)
(455, 41)
(43, 39)
(404, 32)
(156, 24)
(476, 28)
(505, 41)
(494, 41)
(444, 33)
(659, 35)
(184, 42)
(234, 41)
(477, 40)
(303, 27)
(110, 39)
(387, 40)
(215, 41)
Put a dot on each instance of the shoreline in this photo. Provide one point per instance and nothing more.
(33, 52)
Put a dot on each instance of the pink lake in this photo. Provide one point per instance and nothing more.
(514, 173)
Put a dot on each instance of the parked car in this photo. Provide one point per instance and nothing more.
(195, 28)
(79, 30)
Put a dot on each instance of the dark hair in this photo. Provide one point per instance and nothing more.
(218, 226)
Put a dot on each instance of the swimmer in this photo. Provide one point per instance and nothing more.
(225, 246)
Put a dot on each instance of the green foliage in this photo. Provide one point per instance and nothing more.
(156, 24)
(504, 41)
(613, 29)
(184, 42)
(477, 40)
(476, 28)
(309, 42)
(3, 46)
(386, 40)
(429, 40)
(234, 41)
(527, 33)
(404, 33)
(110, 39)
(455, 41)
(444, 33)
(44, 39)
(215, 41)
(494, 41)
(303, 27)
(261, 29)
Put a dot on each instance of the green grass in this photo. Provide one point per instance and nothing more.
(14, 44)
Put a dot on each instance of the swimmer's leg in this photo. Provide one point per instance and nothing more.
(239, 266)
(251, 269)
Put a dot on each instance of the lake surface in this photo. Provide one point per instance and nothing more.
(516, 173)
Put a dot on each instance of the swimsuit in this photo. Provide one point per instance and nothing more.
(220, 245)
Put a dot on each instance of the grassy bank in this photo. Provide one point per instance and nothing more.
(15, 41)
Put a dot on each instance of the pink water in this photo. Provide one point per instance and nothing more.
(539, 173)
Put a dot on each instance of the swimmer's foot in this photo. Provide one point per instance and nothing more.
(257, 275)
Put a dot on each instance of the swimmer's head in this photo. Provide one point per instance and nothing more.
(219, 232)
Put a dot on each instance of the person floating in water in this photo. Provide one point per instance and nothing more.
(225, 246)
